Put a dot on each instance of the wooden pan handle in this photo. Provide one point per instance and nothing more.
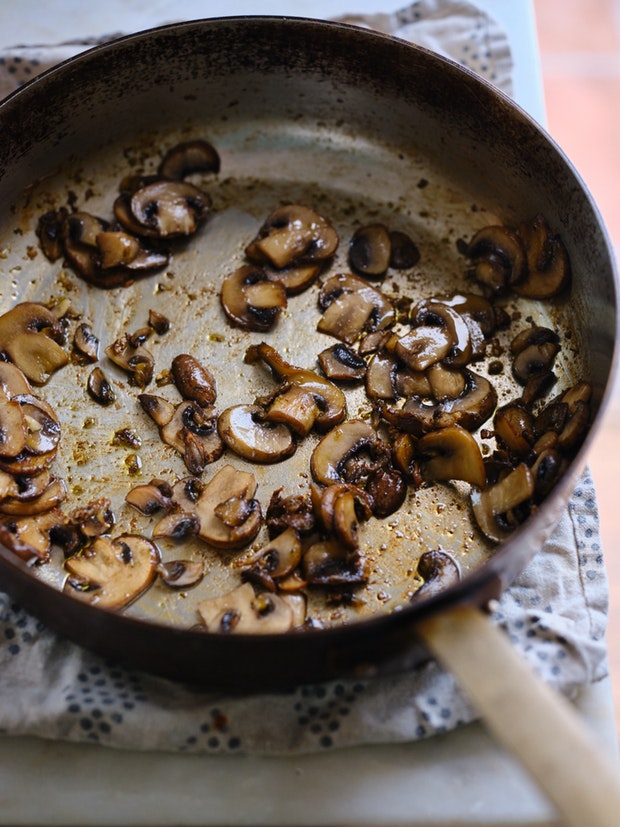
(536, 724)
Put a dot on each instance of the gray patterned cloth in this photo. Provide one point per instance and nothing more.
(555, 613)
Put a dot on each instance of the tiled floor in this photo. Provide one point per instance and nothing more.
(580, 56)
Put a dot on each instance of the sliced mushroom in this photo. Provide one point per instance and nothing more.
(110, 573)
(514, 428)
(341, 363)
(330, 563)
(499, 257)
(470, 410)
(187, 157)
(534, 351)
(12, 428)
(86, 343)
(51, 497)
(297, 277)
(330, 400)
(193, 380)
(99, 388)
(29, 336)
(404, 253)
(169, 208)
(251, 299)
(137, 361)
(492, 503)
(30, 537)
(150, 498)
(370, 250)
(178, 525)
(437, 313)
(244, 429)
(439, 571)
(193, 432)
(181, 574)
(548, 270)
(293, 234)
(228, 484)
(117, 248)
(94, 519)
(293, 511)
(421, 347)
(331, 454)
(242, 612)
(295, 407)
(42, 425)
(49, 232)
(324, 501)
(451, 454)
(12, 380)
(274, 561)
(351, 307)
(159, 322)
(159, 409)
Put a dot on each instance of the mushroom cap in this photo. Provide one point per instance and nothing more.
(187, 157)
(337, 446)
(28, 334)
(170, 208)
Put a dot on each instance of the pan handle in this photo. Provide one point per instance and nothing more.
(536, 724)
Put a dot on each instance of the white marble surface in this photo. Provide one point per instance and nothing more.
(462, 778)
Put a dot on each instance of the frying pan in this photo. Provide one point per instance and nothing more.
(354, 123)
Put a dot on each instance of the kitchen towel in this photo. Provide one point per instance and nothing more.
(555, 613)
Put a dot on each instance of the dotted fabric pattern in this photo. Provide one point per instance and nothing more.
(555, 614)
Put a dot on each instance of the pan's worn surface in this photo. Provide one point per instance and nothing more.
(362, 128)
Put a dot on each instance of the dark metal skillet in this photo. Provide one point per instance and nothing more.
(305, 108)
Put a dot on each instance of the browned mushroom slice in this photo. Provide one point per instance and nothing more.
(324, 501)
(342, 364)
(451, 454)
(445, 383)
(404, 252)
(228, 484)
(27, 464)
(137, 361)
(159, 409)
(243, 612)
(351, 307)
(273, 561)
(12, 428)
(293, 511)
(430, 312)
(297, 277)
(110, 573)
(30, 537)
(181, 574)
(387, 378)
(470, 410)
(330, 400)
(151, 497)
(42, 424)
(86, 343)
(193, 432)
(534, 351)
(499, 257)
(117, 248)
(293, 234)
(99, 388)
(178, 525)
(514, 428)
(492, 503)
(12, 380)
(370, 250)
(331, 455)
(245, 431)
(29, 336)
(295, 407)
(251, 299)
(439, 571)
(170, 208)
(421, 347)
(193, 380)
(548, 271)
(159, 322)
(187, 157)
(49, 498)
(94, 519)
(330, 563)
(49, 231)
